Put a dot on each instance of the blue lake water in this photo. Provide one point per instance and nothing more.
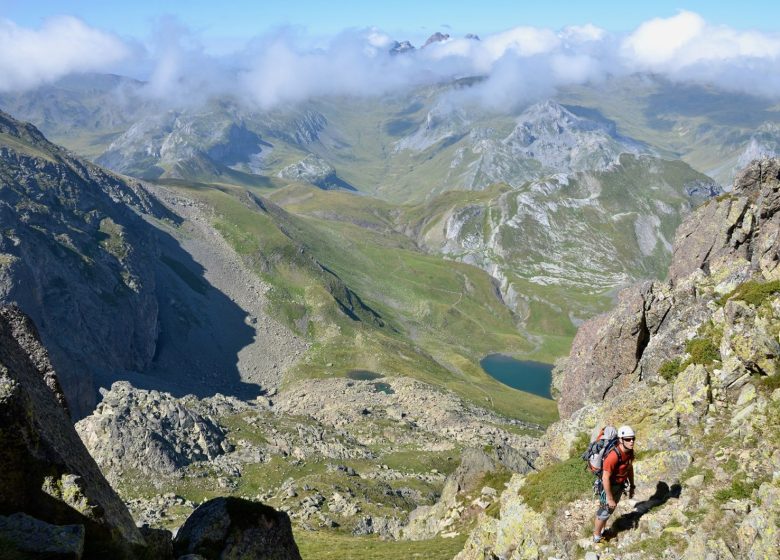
(363, 375)
(531, 377)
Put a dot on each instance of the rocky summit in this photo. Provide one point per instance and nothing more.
(692, 364)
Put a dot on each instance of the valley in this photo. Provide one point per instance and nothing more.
(290, 306)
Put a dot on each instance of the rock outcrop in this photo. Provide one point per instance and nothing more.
(46, 471)
(148, 431)
(236, 528)
(455, 509)
(25, 537)
(723, 244)
(692, 365)
(315, 170)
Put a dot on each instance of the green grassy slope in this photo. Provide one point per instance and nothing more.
(370, 300)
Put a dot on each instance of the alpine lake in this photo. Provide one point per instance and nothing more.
(525, 375)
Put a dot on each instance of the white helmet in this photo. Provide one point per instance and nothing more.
(625, 431)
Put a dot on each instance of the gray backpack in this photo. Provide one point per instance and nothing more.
(605, 441)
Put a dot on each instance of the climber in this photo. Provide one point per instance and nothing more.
(617, 477)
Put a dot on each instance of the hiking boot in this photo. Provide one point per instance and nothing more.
(596, 539)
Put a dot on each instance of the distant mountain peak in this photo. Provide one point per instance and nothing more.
(547, 110)
(436, 38)
(401, 47)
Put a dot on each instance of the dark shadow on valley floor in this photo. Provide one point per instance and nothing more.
(201, 332)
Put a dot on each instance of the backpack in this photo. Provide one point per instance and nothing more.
(599, 448)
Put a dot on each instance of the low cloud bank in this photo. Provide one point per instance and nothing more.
(63, 45)
(518, 65)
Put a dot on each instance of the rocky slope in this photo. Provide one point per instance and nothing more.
(148, 288)
(74, 251)
(692, 364)
(54, 501)
(555, 246)
(46, 471)
(349, 454)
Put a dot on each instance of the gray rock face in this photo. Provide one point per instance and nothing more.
(73, 252)
(47, 473)
(605, 348)
(722, 244)
(314, 170)
(236, 528)
(148, 431)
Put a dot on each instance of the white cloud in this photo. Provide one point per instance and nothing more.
(63, 45)
(656, 42)
(583, 33)
(672, 44)
(686, 48)
(287, 65)
(525, 41)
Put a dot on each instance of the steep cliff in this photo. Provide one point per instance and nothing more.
(692, 364)
(47, 472)
(76, 256)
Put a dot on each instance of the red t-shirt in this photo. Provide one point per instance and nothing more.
(618, 470)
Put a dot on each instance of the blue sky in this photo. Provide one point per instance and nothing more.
(221, 23)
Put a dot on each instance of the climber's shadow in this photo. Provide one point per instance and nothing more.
(631, 520)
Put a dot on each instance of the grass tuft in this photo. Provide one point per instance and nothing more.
(557, 484)
(318, 545)
(752, 292)
(740, 489)
(670, 369)
(703, 351)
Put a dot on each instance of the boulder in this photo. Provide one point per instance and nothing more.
(159, 543)
(47, 472)
(237, 528)
(25, 537)
(664, 467)
(691, 394)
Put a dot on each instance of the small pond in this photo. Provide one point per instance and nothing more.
(531, 377)
(383, 388)
(363, 375)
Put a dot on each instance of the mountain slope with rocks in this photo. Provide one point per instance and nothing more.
(348, 455)
(692, 364)
(54, 501)
(555, 246)
(74, 251)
